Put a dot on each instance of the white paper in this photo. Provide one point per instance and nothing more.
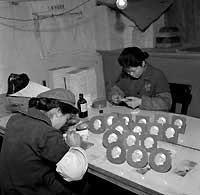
(31, 90)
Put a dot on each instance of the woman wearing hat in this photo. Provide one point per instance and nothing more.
(140, 83)
(34, 156)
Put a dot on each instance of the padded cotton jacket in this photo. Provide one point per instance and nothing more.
(152, 87)
(31, 148)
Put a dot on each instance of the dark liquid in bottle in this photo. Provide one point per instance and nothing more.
(82, 106)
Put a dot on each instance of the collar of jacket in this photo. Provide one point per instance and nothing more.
(36, 114)
(147, 72)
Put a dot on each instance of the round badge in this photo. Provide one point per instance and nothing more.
(97, 125)
(161, 120)
(109, 119)
(137, 129)
(110, 137)
(142, 120)
(178, 123)
(120, 126)
(116, 153)
(137, 157)
(130, 139)
(148, 142)
(160, 160)
(169, 132)
(154, 130)
(126, 118)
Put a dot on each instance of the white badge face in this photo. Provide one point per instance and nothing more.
(170, 132)
(137, 129)
(126, 120)
(154, 130)
(162, 120)
(109, 120)
(178, 122)
(97, 124)
(143, 120)
(160, 159)
(112, 138)
(137, 156)
(131, 139)
(116, 151)
(148, 142)
(119, 128)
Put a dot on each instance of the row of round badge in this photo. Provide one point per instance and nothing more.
(135, 140)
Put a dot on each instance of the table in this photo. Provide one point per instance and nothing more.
(190, 139)
(152, 182)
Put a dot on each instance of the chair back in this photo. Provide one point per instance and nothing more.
(181, 94)
(1, 140)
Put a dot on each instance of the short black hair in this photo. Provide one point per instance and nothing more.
(132, 57)
(47, 104)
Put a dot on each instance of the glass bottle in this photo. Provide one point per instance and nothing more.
(82, 106)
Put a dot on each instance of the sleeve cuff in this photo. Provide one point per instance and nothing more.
(73, 165)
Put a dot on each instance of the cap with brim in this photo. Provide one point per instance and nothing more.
(60, 94)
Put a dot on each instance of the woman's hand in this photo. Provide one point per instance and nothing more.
(115, 95)
(116, 99)
(133, 101)
(73, 139)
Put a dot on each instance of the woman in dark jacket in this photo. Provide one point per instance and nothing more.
(142, 84)
(34, 155)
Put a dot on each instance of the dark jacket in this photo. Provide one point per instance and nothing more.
(30, 150)
(152, 87)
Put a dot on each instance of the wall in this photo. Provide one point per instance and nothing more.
(185, 15)
(34, 46)
(18, 49)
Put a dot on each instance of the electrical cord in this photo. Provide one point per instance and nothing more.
(47, 17)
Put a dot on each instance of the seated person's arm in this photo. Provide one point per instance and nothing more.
(71, 163)
(162, 101)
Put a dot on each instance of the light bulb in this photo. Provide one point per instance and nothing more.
(121, 4)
